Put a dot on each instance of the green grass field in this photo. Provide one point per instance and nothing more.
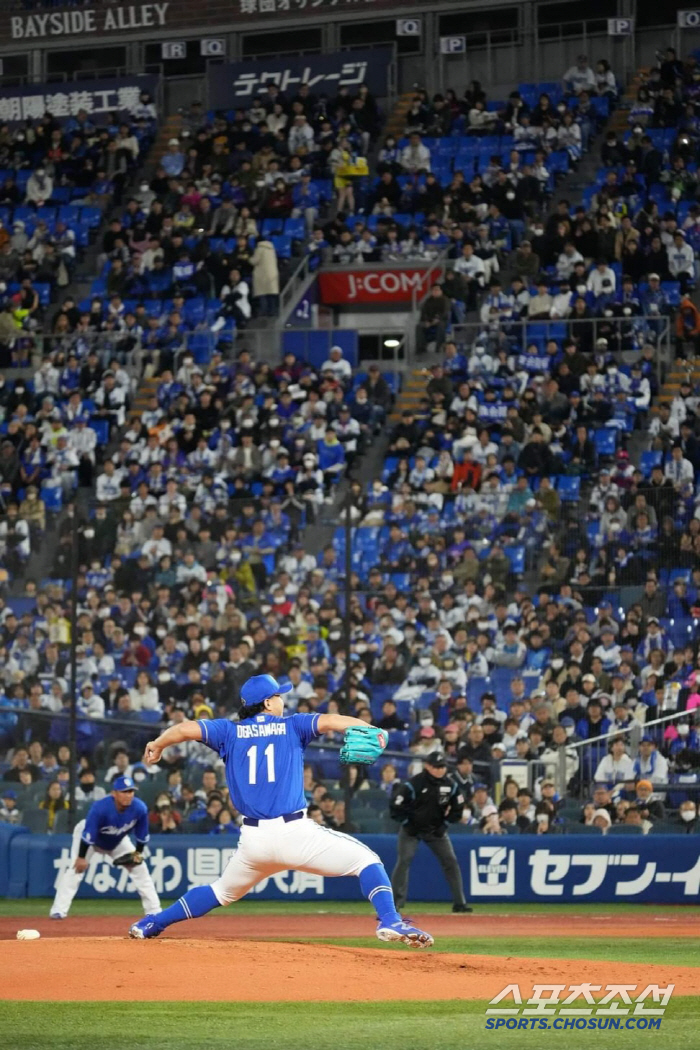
(683, 951)
(308, 1026)
(410, 1025)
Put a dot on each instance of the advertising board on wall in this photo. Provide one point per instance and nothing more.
(233, 83)
(95, 97)
(378, 286)
(526, 868)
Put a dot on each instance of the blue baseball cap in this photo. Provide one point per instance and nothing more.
(259, 687)
(123, 784)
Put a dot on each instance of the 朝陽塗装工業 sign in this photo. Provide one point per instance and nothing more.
(95, 97)
(372, 286)
(325, 74)
(81, 22)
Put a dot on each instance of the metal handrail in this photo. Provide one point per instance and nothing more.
(407, 263)
(292, 287)
(468, 331)
(634, 731)
(621, 732)
(438, 266)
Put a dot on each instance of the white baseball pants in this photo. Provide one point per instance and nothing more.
(300, 845)
(67, 884)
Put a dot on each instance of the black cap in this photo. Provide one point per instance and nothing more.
(436, 759)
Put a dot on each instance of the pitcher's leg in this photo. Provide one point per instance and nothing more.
(239, 876)
(322, 851)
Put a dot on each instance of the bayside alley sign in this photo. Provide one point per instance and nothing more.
(79, 23)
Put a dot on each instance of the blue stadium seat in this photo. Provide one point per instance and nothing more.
(475, 688)
(101, 428)
(195, 310)
(673, 291)
(69, 213)
(569, 488)
(282, 245)
(399, 739)
(516, 556)
(295, 228)
(52, 498)
(270, 226)
(605, 441)
(200, 343)
(91, 216)
(43, 290)
(650, 459)
(60, 195)
(501, 677)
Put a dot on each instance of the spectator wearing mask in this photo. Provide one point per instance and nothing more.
(88, 790)
(686, 823)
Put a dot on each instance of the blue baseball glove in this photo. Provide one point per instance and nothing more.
(363, 744)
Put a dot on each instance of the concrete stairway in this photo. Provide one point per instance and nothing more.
(415, 381)
(396, 121)
(678, 373)
(170, 129)
(618, 118)
(145, 389)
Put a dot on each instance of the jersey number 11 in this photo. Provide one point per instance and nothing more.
(252, 754)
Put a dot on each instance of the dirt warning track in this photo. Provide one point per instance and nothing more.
(665, 922)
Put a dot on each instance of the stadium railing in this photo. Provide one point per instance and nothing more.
(593, 750)
(631, 333)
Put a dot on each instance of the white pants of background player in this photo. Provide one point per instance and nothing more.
(69, 881)
(301, 845)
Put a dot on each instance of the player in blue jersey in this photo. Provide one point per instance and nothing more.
(106, 830)
(264, 757)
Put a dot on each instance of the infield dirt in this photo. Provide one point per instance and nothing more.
(118, 969)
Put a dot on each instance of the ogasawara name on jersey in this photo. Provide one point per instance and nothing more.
(266, 729)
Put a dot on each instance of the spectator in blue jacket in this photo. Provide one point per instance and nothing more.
(331, 459)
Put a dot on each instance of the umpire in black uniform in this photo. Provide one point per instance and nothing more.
(424, 806)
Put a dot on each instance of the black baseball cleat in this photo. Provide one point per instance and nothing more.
(461, 909)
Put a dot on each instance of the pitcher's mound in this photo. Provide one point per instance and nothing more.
(104, 968)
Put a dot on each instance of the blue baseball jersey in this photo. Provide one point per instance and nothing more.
(106, 826)
(264, 759)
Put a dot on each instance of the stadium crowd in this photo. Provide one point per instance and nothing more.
(519, 583)
(57, 178)
(235, 201)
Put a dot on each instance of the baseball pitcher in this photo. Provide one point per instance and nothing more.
(264, 758)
